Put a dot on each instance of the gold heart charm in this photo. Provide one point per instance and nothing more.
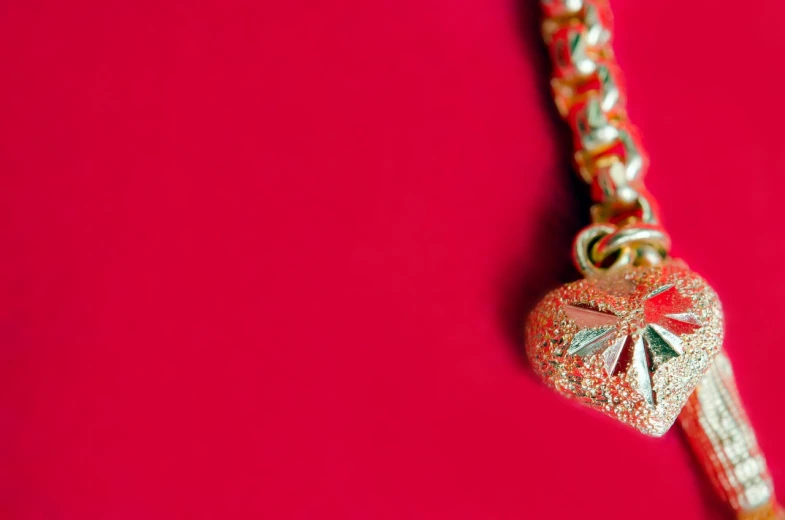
(633, 343)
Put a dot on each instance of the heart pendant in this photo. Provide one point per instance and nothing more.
(633, 343)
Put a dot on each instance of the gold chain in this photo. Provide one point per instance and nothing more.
(625, 230)
(608, 152)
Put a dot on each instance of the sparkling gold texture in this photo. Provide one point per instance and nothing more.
(576, 336)
(721, 435)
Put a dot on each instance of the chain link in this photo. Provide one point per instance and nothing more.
(608, 153)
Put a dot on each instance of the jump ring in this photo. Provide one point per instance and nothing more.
(630, 236)
(582, 245)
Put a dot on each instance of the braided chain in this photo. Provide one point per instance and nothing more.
(608, 153)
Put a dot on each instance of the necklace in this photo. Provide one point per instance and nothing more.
(639, 337)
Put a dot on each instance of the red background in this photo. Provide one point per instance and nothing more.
(271, 259)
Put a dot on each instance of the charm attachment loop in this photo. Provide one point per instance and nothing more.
(602, 247)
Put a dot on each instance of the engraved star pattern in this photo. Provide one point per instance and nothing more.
(666, 315)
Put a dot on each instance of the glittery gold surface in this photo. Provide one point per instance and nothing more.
(723, 439)
(633, 299)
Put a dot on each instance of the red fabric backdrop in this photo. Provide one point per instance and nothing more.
(271, 259)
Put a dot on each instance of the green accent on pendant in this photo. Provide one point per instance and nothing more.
(588, 341)
(662, 344)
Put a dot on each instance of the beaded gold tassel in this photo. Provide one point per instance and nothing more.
(640, 337)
